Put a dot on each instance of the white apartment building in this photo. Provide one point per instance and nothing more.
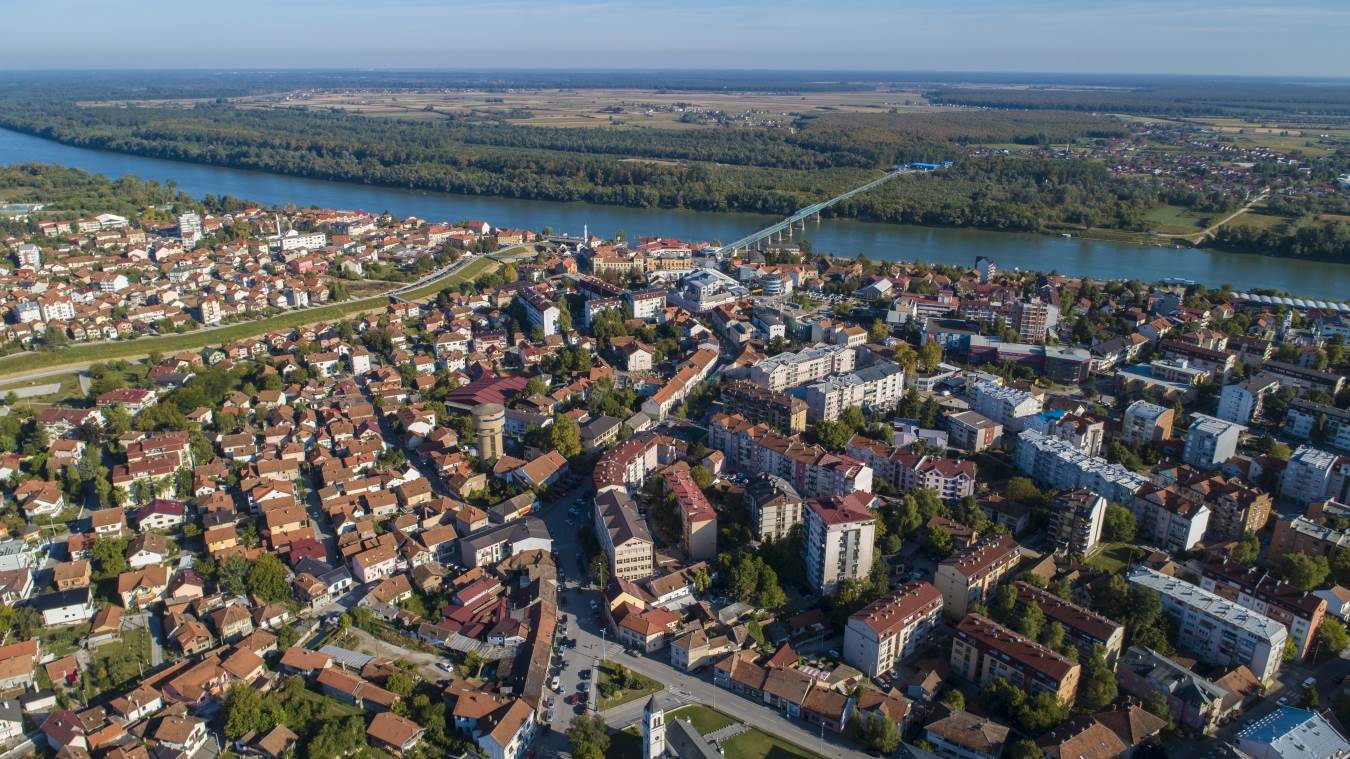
(1307, 477)
(892, 628)
(775, 507)
(1076, 520)
(1304, 415)
(1057, 464)
(29, 255)
(1210, 441)
(840, 531)
(875, 387)
(1145, 423)
(806, 365)
(1008, 406)
(541, 311)
(1215, 629)
(1240, 402)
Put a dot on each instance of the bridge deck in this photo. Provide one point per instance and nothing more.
(806, 213)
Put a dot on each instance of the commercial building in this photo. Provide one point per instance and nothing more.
(1076, 519)
(1146, 423)
(1085, 629)
(1308, 475)
(840, 531)
(783, 412)
(624, 536)
(892, 628)
(787, 370)
(1008, 406)
(1210, 441)
(969, 577)
(774, 505)
(1218, 631)
(1057, 464)
(982, 650)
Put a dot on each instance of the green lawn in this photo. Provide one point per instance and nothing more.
(753, 744)
(1112, 558)
(705, 719)
(59, 641)
(646, 687)
(1175, 220)
(75, 354)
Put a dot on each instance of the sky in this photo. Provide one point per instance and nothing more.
(1229, 37)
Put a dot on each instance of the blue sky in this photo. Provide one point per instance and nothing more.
(1241, 37)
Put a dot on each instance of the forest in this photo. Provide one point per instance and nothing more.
(774, 172)
(1188, 98)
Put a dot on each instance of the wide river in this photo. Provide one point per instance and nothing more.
(1101, 260)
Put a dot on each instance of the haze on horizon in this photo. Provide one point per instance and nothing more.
(1234, 37)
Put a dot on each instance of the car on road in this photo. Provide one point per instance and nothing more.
(1310, 683)
(833, 654)
(583, 698)
(556, 684)
(548, 715)
(632, 652)
(583, 686)
(585, 674)
(1284, 701)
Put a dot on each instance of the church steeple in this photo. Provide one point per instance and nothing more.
(653, 730)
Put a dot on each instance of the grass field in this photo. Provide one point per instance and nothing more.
(76, 354)
(1256, 219)
(704, 719)
(1113, 557)
(1174, 220)
(754, 744)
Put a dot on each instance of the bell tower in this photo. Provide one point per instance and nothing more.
(653, 730)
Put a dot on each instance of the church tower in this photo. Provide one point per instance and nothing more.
(653, 730)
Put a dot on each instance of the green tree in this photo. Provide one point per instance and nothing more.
(1303, 571)
(109, 554)
(702, 579)
(1331, 639)
(400, 683)
(588, 736)
(1118, 526)
(1052, 636)
(232, 575)
(243, 711)
(1003, 604)
(702, 477)
(267, 579)
(930, 355)
(1025, 749)
(565, 435)
(1156, 704)
(1097, 685)
(938, 543)
(600, 569)
(1030, 620)
(1247, 551)
(953, 698)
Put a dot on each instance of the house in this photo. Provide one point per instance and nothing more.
(139, 588)
(511, 732)
(181, 733)
(962, 735)
(65, 607)
(231, 622)
(276, 743)
(146, 550)
(68, 575)
(393, 732)
(161, 514)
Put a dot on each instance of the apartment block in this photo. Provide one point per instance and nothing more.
(698, 520)
(1146, 423)
(1210, 441)
(541, 311)
(1076, 521)
(982, 650)
(787, 370)
(973, 431)
(1304, 417)
(812, 470)
(774, 506)
(1083, 627)
(1307, 477)
(1170, 516)
(840, 531)
(892, 628)
(1241, 402)
(779, 410)
(1218, 631)
(624, 536)
(1008, 406)
(969, 577)
(1256, 589)
(1057, 464)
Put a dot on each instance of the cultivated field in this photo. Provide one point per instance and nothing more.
(581, 108)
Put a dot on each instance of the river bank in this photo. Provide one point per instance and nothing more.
(1100, 259)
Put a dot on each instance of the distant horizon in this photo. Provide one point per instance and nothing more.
(1300, 38)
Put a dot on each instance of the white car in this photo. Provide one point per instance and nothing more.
(556, 684)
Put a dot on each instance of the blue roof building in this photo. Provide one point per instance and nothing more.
(1291, 733)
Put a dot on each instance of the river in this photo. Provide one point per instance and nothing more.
(1098, 259)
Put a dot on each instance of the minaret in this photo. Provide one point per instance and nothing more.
(653, 730)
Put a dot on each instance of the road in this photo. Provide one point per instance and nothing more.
(593, 645)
